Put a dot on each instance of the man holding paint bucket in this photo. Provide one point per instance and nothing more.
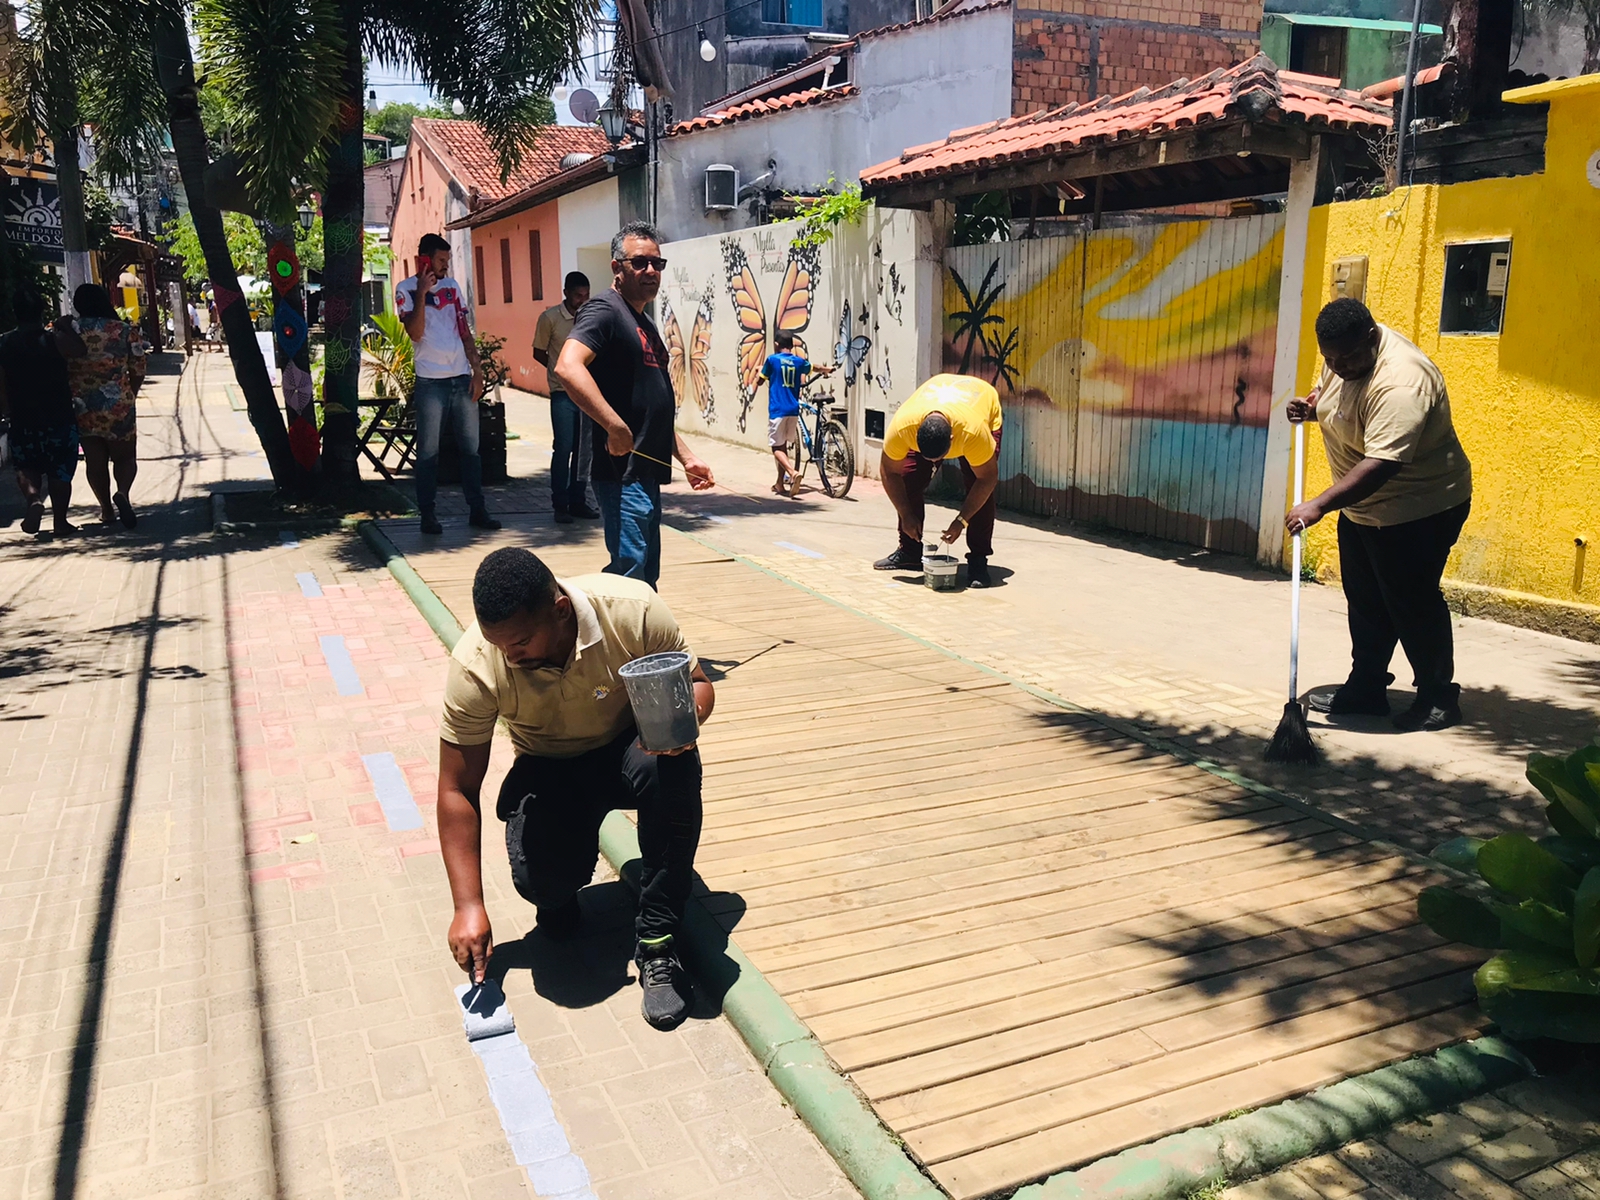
(614, 365)
(1402, 486)
(544, 657)
(950, 416)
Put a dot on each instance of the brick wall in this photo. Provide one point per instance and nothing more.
(1067, 50)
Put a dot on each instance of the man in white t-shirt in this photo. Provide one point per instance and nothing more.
(433, 308)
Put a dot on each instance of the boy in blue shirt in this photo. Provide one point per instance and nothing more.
(786, 374)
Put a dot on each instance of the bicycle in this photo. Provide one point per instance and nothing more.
(827, 444)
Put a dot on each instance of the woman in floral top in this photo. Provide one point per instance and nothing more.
(104, 381)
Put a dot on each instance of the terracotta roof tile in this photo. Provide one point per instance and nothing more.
(761, 108)
(475, 165)
(1255, 90)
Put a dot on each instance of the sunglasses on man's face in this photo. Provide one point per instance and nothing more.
(646, 262)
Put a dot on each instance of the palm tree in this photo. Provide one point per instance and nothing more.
(293, 73)
(997, 354)
(972, 319)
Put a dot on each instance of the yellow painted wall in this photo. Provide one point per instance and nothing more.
(1526, 403)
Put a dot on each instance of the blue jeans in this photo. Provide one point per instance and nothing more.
(570, 453)
(433, 399)
(631, 516)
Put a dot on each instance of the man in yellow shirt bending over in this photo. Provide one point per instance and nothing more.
(950, 416)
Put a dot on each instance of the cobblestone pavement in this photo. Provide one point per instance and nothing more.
(222, 960)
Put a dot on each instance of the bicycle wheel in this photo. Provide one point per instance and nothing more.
(837, 462)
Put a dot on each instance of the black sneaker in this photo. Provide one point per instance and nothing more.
(1426, 716)
(664, 981)
(978, 572)
(561, 922)
(563, 517)
(479, 518)
(584, 511)
(900, 560)
(430, 523)
(1345, 702)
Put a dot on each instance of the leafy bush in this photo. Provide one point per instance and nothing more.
(495, 372)
(388, 355)
(1542, 912)
(822, 214)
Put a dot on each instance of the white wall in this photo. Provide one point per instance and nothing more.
(588, 217)
(879, 268)
(914, 86)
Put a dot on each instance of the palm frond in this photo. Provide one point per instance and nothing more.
(279, 65)
(122, 99)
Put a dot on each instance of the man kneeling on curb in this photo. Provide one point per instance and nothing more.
(543, 655)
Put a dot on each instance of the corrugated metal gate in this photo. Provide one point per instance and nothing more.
(1135, 368)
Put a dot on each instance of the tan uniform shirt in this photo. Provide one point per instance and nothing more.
(1399, 413)
(972, 406)
(561, 713)
(550, 334)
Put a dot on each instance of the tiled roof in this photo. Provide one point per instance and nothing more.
(760, 108)
(551, 187)
(948, 12)
(472, 160)
(1388, 88)
(1256, 91)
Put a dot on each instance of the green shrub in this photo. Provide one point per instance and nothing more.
(1542, 911)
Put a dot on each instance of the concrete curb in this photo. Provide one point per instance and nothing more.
(1269, 1138)
(1167, 1169)
(789, 1054)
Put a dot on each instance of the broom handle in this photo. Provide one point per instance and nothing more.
(1294, 579)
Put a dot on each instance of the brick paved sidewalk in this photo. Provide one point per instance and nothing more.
(223, 972)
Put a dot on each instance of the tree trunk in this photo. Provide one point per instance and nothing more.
(343, 217)
(175, 71)
(69, 180)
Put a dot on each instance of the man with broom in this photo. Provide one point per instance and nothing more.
(1402, 486)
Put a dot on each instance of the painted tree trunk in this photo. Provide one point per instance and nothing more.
(175, 71)
(69, 189)
(342, 221)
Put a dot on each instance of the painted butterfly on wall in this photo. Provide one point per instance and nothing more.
(688, 362)
(791, 314)
(850, 351)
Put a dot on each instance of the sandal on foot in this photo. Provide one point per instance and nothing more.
(125, 511)
(30, 523)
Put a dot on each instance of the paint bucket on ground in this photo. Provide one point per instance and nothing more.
(939, 572)
(662, 697)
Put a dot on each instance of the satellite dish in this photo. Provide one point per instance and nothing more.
(584, 105)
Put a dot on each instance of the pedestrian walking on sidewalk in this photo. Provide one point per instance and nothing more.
(105, 380)
(543, 656)
(1402, 486)
(615, 366)
(449, 385)
(949, 416)
(572, 443)
(786, 373)
(36, 398)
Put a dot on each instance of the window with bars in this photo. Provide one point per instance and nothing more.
(792, 12)
(536, 264)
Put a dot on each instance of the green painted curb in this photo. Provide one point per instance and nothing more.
(788, 1052)
(1263, 1141)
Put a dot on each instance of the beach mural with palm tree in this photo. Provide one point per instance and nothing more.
(1136, 369)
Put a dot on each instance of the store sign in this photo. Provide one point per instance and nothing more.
(33, 217)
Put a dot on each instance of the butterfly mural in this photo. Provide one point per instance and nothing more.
(791, 313)
(850, 351)
(688, 361)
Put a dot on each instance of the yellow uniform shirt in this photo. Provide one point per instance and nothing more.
(1399, 413)
(550, 333)
(561, 713)
(972, 406)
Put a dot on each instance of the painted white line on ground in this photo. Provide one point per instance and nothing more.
(309, 587)
(800, 550)
(393, 793)
(340, 667)
(537, 1140)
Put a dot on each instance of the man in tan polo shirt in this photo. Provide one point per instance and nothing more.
(1403, 487)
(542, 656)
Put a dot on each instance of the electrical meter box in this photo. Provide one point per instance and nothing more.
(1348, 277)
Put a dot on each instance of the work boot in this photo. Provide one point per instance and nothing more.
(563, 516)
(479, 518)
(1352, 699)
(1428, 716)
(582, 509)
(664, 981)
(430, 523)
(978, 572)
(560, 922)
(901, 560)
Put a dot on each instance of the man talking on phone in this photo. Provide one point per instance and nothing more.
(433, 309)
(614, 364)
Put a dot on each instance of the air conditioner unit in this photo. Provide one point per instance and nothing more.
(722, 187)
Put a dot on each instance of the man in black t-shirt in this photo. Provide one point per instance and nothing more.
(615, 367)
(36, 397)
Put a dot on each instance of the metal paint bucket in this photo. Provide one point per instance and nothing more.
(939, 572)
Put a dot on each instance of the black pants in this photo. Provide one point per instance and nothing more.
(553, 807)
(1391, 579)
